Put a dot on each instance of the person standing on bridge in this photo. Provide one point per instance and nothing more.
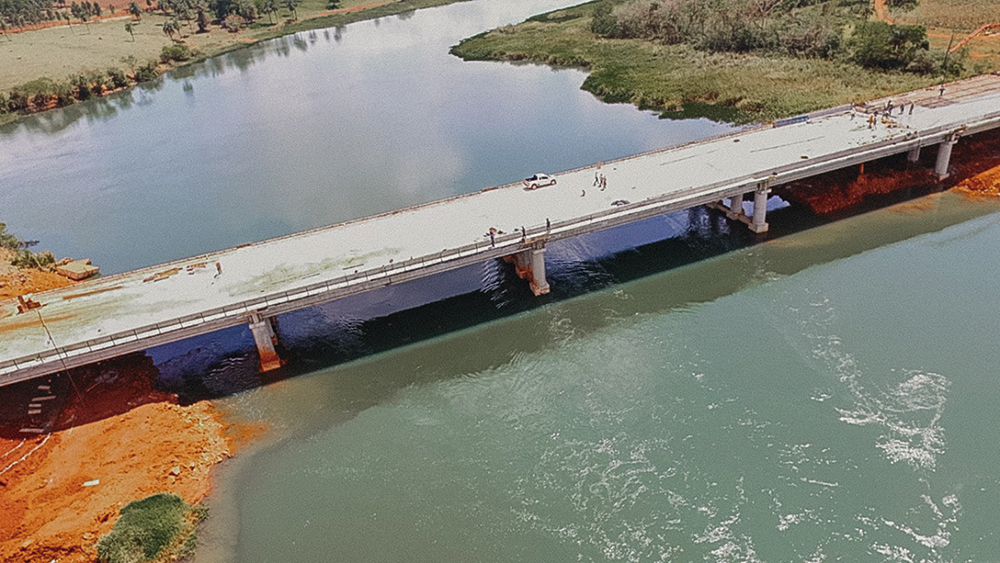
(218, 268)
(941, 93)
(597, 178)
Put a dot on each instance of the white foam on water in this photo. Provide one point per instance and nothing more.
(908, 412)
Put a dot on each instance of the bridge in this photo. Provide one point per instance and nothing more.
(251, 284)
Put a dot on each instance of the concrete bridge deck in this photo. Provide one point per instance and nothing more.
(133, 311)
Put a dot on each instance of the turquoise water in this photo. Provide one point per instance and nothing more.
(828, 395)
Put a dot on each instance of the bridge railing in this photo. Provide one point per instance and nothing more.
(508, 243)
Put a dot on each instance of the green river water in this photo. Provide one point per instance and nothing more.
(687, 393)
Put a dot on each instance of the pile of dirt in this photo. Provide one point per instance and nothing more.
(116, 440)
(24, 281)
(16, 281)
(986, 183)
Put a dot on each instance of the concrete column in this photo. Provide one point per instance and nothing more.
(530, 265)
(264, 337)
(944, 157)
(735, 207)
(759, 224)
(913, 155)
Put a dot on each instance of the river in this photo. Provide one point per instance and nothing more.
(687, 393)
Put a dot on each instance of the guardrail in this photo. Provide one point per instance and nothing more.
(234, 314)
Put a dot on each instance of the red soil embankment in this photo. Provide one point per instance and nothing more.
(21, 282)
(845, 188)
(115, 441)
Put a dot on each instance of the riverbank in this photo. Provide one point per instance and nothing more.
(116, 440)
(681, 81)
(54, 63)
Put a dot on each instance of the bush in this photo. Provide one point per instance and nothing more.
(117, 77)
(81, 86)
(149, 528)
(28, 259)
(145, 72)
(175, 52)
(603, 23)
(885, 46)
(16, 101)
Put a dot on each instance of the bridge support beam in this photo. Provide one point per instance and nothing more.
(913, 155)
(944, 157)
(530, 265)
(265, 338)
(759, 223)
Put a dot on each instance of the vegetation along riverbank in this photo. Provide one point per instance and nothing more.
(56, 53)
(750, 60)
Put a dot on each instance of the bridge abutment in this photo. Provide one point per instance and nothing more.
(530, 265)
(265, 338)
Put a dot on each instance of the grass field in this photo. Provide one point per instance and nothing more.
(958, 15)
(681, 81)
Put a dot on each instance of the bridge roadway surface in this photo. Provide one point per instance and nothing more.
(133, 311)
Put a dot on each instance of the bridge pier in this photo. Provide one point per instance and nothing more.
(944, 157)
(530, 265)
(265, 338)
(735, 210)
(759, 224)
(913, 155)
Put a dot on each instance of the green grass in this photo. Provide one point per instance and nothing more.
(158, 527)
(680, 81)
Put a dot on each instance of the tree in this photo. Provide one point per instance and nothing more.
(292, 5)
(885, 46)
(202, 19)
(269, 7)
(170, 27)
(130, 28)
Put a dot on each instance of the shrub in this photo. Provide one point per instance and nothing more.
(175, 52)
(149, 528)
(603, 23)
(28, 259)
(81, 86)
(117, 77)
(17, 101)
(887, 47)
(145, 72)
